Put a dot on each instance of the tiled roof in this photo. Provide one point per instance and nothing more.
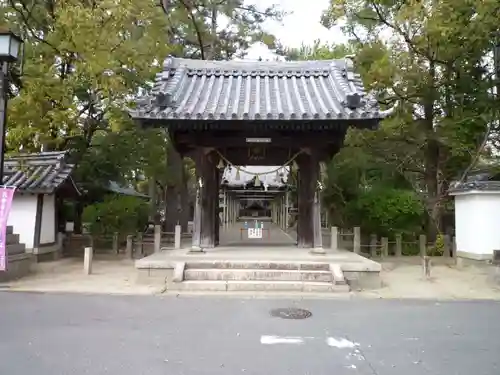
(37, 173)
(115, 187)
(478, 185)
(243, 90)
(272, 179)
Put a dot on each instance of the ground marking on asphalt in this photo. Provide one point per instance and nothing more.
(271, 340)
(341, 343)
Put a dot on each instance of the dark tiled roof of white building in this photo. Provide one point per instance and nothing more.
(37, 173)
(243, 90)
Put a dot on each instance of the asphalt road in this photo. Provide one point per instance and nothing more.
(77, 334)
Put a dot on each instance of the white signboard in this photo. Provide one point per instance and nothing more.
(258, 140)
(254, 232)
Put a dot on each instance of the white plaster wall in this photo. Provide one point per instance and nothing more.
(477, 221)
(22, 218)
(47, 234)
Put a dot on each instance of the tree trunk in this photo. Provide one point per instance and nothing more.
(432, 174)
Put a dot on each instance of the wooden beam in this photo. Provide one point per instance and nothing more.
(257, 125)
(223, 139)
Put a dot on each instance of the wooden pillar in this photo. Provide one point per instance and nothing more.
(276, 211)
(280, 212)
(309, 233)
(216, 210)
(208, 194)
(306, 185)
(196, 244)
(224, 210)
(283, 212)
(236, 210)
(231, 210)
(317, 237)
(286, 210)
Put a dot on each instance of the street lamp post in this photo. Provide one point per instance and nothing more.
(10, 48)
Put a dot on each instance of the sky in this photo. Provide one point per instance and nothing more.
(301, 26)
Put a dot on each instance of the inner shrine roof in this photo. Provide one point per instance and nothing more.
(258, 90)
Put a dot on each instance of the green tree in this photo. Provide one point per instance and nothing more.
(429, 56)
(84, 63)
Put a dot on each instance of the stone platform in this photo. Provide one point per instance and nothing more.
(18, 260)
(272, 263)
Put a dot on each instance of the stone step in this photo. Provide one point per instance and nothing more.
(247, 285)
(248, 274)
(303, 266)
(12, 238)
(17, 248)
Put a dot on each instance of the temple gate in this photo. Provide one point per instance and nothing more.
(234, 113)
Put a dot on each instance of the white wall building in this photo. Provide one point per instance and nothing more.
(41, 181)
(477, 219)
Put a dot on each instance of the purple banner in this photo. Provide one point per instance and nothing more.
(6, 196)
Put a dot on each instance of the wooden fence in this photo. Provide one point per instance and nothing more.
(375, 246)
(136, 245)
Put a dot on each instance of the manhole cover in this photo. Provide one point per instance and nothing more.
(291, 313)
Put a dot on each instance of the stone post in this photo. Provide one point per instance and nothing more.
(334, 238)
(399, 245)
(422, 243)
(139, 246)
(60, 245)
(157, 239)
(177, 237)
(87, 260)
(384, 244)
(116, 250)
(454, 247)
(356, 246)
(446, 246)
(129, 250)
(426, 266)
(373, 245)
